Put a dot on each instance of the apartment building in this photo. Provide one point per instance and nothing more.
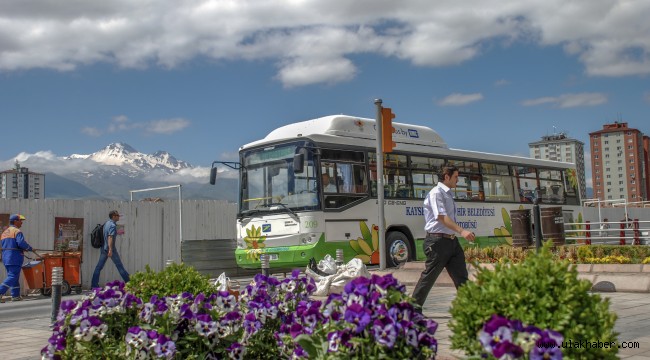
(619, 159)
(20, 183)
(559, 147)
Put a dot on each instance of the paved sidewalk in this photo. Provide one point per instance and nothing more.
(23, 340)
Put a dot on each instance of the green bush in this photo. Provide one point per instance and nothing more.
(174, 279)
(540, 291)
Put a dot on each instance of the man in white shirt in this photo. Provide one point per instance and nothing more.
(441, 245)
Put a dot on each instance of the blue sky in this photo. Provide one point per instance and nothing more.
(200, 78)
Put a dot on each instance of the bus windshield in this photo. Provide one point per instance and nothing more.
(269, 182)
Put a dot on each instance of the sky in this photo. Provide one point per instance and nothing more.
(200, 78)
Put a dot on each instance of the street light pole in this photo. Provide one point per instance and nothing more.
(380, 189)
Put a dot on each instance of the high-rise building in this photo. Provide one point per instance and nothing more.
(20, 183)
(559, 147)
(619, 161)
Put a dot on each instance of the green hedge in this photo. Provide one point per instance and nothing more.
(579, 254)
(174, 279)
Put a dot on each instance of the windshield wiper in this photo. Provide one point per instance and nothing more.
(284, 206)
(247, 213)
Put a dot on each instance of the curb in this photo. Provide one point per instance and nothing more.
(604, 277)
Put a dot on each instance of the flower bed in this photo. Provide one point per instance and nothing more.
(582, 254)
(272, 319)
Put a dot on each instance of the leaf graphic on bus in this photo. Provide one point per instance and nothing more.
(503, 233)
(254, 238)
(253, 254)
(506, 220)
(367, 247)
(355, 246)
(365, 232)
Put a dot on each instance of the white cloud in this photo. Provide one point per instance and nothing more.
(460, 99)
(183, 176)
(47, 161)
(123, 123)
(314, 41)
(167, 126)
(91, 131)
(229, 156)
(569, 100)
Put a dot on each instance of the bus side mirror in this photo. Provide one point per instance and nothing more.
(213, 176)
(298, 162)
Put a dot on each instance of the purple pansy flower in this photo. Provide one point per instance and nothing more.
(506, 348)
(236, 351)
(385, 332)
(164, 347)
(357, 315)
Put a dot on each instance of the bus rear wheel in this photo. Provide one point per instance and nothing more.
(397, 249)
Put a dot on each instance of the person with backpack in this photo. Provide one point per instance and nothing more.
(109, 250)
(13, 245)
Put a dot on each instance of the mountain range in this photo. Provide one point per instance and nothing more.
(113, 171)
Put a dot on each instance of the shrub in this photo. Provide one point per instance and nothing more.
(174, 279)
(495, 254)
(540, 291)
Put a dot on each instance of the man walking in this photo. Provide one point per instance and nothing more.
(109, 250)
(13, 246)
(441, 245)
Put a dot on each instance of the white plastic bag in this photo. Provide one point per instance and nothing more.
(351, 270)
(322, 282)
(327, 265)
(335, 283)
(222, 282)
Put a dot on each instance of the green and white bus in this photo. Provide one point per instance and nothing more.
(285, 210)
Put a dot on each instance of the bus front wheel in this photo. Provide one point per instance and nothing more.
(397, 249)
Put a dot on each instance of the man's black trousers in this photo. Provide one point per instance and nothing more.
(441, 253)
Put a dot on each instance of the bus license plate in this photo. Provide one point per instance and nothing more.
(273, 256)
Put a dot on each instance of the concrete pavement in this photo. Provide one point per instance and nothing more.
(23, 340)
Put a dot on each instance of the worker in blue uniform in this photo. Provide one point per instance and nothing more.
(13, 246)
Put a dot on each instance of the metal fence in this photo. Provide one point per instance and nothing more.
(609, 225)
(151, 230)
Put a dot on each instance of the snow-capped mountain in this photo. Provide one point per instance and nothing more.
(125, 156)
(118, 168)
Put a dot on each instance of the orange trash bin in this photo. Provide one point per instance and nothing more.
(51, 261)
(33, 272)
(72, 270)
